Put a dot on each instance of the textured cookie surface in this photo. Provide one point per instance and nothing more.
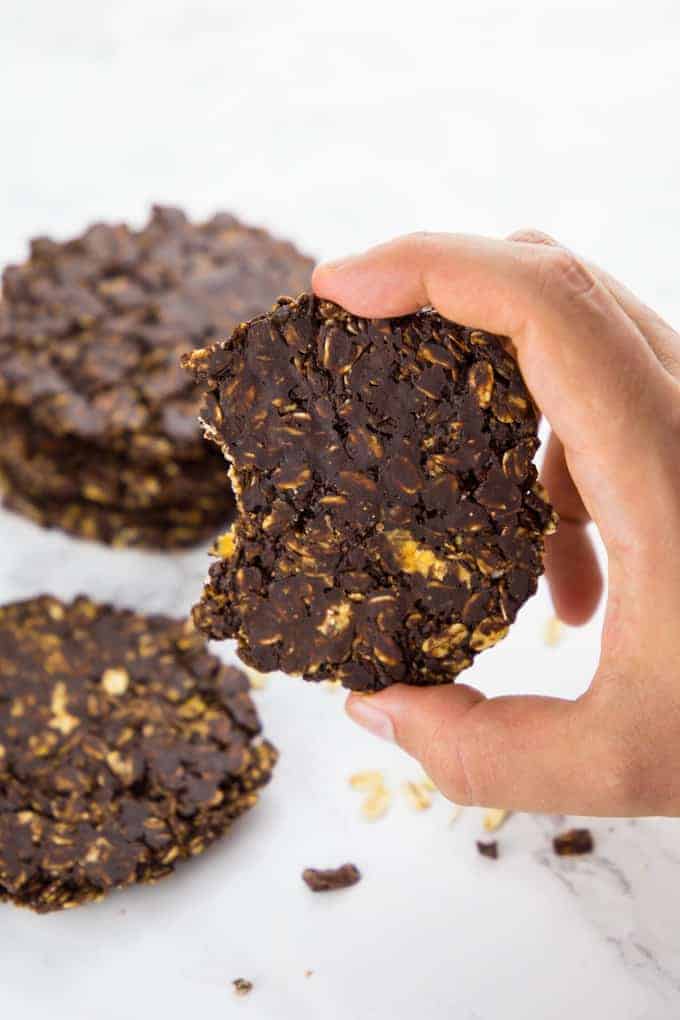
(48, 467)
(171, 527)
(390, 525)
(91, 329)
(124, 747)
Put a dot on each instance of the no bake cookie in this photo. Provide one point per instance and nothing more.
(91, 330)
(390, 525)
(124, 747)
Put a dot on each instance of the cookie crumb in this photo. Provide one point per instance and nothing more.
(369, 781)
(488, 849)
(377, 801)
(553, 632)
(242, 987)
(494, 818)
(417, 796)
(319, 880)
(376, 805)
(573, 842)
(428, 784)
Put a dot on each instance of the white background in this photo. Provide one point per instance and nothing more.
(339, 125)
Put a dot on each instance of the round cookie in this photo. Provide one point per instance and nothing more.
(390, 525)
(91, 330)
(124, 747)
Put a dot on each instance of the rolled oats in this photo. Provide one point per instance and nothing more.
(417, 796)
(494, 818)
(553, 631)
(376, 804)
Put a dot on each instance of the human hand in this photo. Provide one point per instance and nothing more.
(604, 369)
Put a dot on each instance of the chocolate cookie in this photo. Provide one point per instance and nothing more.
(124, 747)
(172, 527)
(389, 521)
(94, 407)
(91, 330)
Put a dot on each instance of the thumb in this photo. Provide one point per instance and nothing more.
(522, 752)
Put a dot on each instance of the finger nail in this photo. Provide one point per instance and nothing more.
(364, 711)
(337, 265)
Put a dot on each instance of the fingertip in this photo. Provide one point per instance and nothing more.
(346, 282)
(415, 713)
(369, 715)
(574, 574)
(326, 274)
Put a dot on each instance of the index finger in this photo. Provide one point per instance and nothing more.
(582, 357)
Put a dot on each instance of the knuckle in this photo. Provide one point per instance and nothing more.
(441, 760)
(670, 411)
(476, 767)
(624, 761)
(624, 778)
(560, 270)
(422, 241)
(529, 235)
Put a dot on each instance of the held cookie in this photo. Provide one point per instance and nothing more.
(124, 747)
(390, 525)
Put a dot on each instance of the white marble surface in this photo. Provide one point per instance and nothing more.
(339, 125)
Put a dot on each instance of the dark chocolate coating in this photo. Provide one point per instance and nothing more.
(390, 525)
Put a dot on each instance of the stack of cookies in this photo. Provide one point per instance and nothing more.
(99, 422)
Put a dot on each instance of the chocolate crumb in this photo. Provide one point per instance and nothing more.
(332, 878)
(242, 987)
(488, 849)
(573, 842)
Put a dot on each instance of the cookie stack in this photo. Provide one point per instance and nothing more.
(98, 420)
